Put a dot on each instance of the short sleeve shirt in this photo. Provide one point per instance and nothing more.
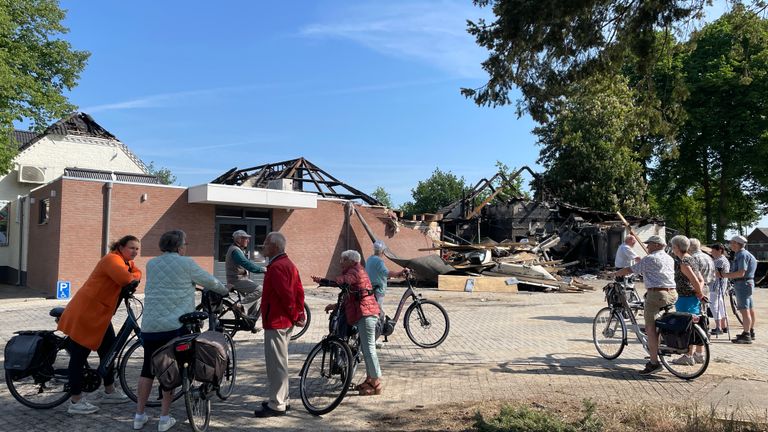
(684, 285)
(377, 273)
(744, 260)
(625, 256)
(658, 270)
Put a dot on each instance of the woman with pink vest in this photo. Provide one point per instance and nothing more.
(362, 311)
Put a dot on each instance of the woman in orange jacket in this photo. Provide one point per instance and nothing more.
(87, 320)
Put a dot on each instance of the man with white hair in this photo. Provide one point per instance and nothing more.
(282, 308)
(706, 263)
(743, 275)
(378, 272)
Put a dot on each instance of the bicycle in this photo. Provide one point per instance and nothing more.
(734, 305)
(233, 318)
(323, 385)
(46, 385)
(133, 359)
(430, 318)
(609, 334)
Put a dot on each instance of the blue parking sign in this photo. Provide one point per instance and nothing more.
(62, 290)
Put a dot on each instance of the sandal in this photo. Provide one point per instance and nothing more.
(363, 386)
(374, 388)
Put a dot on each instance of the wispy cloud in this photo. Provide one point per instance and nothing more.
(427, 31)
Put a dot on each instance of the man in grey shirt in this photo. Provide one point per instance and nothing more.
(658, 270)
(239, 269)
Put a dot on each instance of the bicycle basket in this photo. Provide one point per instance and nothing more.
(28, 351)
(614, 294)
(676, 329)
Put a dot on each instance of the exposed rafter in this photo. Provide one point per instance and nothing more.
(306, 177)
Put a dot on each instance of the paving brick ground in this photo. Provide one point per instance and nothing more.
(500, 347)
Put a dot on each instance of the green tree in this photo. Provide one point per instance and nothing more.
(382, 196)
(587, 148)
(36, 68)
(164, 175)
(439, 190)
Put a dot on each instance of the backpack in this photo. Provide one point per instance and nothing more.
(27, 352)
(165, 366)
(211, 357)
(676, 329)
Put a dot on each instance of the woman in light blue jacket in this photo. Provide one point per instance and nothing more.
(170, 293)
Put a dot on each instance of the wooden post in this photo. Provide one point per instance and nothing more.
(632, 232)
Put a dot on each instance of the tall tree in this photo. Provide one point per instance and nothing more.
(382, 196)
(587, 148)
(440, 189)
(36, 68)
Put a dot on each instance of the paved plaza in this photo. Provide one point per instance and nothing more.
(500, 347)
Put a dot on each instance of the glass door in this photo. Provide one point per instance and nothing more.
(225, 227)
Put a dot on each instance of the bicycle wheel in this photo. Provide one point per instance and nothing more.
(304, 329)
(129, 372)
(734, 306)
(197, 402)
(687, 371)
(45, 388)
(325, 376)
(430, 324)
(230, 373)
(609, 333)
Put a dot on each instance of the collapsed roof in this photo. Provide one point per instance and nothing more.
(303, 175)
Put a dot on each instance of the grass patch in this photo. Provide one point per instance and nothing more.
(591, 419)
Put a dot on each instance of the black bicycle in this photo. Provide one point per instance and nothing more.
(133, 359)
(46, 383)
(327, 373)
(233, 317)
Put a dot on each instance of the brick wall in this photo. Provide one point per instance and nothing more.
(316, 237)
(44, 241)
(81, 227)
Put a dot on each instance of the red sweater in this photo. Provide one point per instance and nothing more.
(283, 297)
(357, 279)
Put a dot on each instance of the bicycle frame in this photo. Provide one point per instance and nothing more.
(409, 293)
(129, 329)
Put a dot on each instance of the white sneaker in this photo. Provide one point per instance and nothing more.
(685, 360)
(116, 397)
(82, 407)
(164, 426)
(139, 422)
(698, 358)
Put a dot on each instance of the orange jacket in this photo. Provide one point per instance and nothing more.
(88, 314)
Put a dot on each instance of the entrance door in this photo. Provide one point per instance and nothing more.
(225, 226)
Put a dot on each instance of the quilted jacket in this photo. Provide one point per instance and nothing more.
(282, 300)
(170, 290)
(361, 302)
(90, 311)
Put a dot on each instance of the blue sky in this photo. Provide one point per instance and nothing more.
(367, 90)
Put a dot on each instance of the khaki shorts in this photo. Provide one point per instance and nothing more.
(655, 300)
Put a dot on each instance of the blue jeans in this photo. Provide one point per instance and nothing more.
(366, 328)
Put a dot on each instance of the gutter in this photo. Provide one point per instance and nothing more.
(107, 216)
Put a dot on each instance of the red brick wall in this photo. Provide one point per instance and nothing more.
(44, 241)
(82, 210)
(316, 237)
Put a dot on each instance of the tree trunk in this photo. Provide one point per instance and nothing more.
(706, 184)
(722, 204)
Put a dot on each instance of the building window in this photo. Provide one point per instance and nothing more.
(45, 206)
(5, 208)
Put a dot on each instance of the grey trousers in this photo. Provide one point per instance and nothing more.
(276, 357)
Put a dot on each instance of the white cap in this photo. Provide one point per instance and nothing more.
(739, 239)
(240, 233)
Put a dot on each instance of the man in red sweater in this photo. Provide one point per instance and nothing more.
(282, 307)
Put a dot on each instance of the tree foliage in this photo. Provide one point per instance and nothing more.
(587, 148)
(382, 196)
(440, 189)
(36, 68)
(164, 175)
(543, 47)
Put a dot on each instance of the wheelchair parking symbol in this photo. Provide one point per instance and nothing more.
(62, 290)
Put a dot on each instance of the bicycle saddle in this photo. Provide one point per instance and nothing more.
(56, 312)
(193, 317)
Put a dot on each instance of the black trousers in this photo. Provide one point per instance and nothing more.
(78, 356)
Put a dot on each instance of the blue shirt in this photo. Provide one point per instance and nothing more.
(743, 260)
(377, 273)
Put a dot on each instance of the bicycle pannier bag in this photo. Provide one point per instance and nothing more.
(165, 367)
(25, 352)
(211, 357)
(676, 329)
